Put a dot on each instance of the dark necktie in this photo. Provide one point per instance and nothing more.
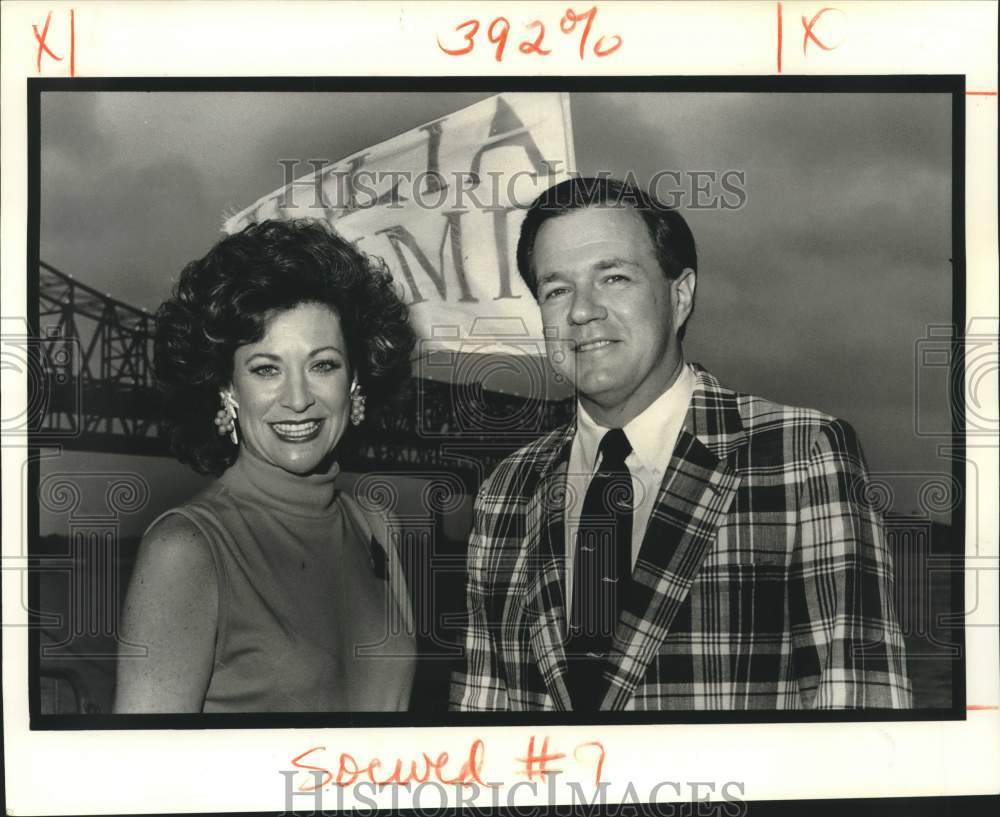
(602, 568)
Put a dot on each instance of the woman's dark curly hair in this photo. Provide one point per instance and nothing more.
(226, 299)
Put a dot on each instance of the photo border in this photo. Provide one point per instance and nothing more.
(882, 84)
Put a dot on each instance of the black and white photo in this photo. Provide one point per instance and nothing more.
(774, 558)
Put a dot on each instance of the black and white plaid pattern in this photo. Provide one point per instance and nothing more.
(763, 580)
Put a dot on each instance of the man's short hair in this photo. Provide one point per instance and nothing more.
(669, 232)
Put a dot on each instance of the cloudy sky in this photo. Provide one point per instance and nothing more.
(816, 292)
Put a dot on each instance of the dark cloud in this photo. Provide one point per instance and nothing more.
(71, 129)
(118, 227)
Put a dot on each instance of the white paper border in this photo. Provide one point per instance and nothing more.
(236, 770)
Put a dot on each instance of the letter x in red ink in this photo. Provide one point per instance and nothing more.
(809, 34)
(41, 41)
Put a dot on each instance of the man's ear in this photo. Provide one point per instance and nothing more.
(683, 288)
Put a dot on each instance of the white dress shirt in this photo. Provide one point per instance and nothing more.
(653, 435)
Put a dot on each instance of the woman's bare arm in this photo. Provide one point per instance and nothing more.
(172, 610)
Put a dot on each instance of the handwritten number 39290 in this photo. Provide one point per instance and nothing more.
(498, 32)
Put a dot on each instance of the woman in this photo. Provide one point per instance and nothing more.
(271, 590)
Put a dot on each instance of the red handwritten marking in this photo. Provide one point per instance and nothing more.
(600, 758)
(499, 41)
(980, 707)
(420, 771)
(72, 43)
(536, 46)
(603, 52)
(572, 18)
(980, 93)
(328, 775)
(41, 42)
(499, 29)
(468, 38)
(808, 29)
(536, 765)
(568, 24)
(779, 38)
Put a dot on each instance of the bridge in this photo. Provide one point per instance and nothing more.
(92, 388)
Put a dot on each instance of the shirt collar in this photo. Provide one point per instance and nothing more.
(651, 445)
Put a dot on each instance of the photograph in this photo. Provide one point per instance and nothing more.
(432, 407)
(621, 401)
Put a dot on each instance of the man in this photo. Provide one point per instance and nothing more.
(680, 546)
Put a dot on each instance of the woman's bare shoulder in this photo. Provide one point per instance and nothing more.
(175, 552)
(175, 537)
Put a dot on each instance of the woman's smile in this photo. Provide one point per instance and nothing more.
(298, 431)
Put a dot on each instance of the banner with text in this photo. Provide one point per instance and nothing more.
(442, 204)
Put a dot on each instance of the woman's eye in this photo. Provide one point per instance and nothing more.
(265, 370)
(326, 365)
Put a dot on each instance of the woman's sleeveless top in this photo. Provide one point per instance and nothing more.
(314, 615)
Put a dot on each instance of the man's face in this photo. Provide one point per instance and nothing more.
(612, 310)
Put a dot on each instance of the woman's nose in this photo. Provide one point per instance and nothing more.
(297, 395)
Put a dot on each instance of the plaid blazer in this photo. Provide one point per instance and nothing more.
(763, 580)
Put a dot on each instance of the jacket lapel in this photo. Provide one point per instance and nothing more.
(697, 489)
(545, 597)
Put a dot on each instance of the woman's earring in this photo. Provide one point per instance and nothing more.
(357, 403)
(225, 417)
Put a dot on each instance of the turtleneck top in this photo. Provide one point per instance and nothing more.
(313, 609)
